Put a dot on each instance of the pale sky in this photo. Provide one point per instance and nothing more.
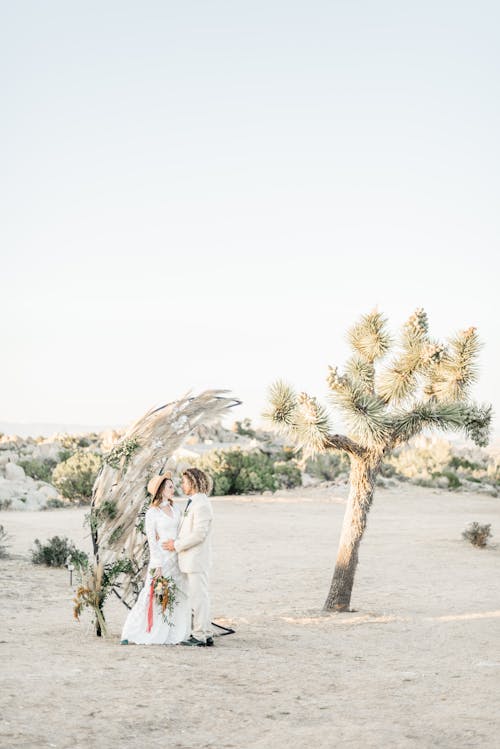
(207, 194)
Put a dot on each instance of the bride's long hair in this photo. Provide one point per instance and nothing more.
(156, 501)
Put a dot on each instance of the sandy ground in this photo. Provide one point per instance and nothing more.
(416, 665)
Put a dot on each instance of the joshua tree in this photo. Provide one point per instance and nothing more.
(425, 385)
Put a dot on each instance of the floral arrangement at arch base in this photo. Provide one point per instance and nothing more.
(96, 583)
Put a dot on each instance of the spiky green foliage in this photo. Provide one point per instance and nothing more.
(416, 327)
(369, 338)
(450, 378)
(282, 406)
(433, 353)
(408, 423)
(362, 372)
(364, 413)
(425, 386)
(399, 382)
(311, 424)
(299, 417)
(477, 422)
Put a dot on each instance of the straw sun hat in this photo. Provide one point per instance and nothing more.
(154, 483)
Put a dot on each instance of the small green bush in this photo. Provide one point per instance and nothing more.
(40, 470)
(238, 472)
(244, 428)
(64, 454)
(387, 470)
(426, 460)
(477, 534)
(55, 504)
(428, 483)
(56, 551)
(459, 462)
(453, 480)
(73, 442)
(327, 466)
(4, 542)
(418, 463)
(75, 477)
(287, 474)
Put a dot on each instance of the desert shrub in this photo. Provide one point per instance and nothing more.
(287, 474)
(493, 470)
(453, 480)
(244, 428)
(387, 470)
(328, 466)
(288, 453)
(73, 442)
(477, 534)
(426, 460)
(55, 504)
(4, 542)
(428, 483)
(64, 454)
(238, 472)
(40, 470)
(458, 462)
(56, 551)
(420, 462)
(75, 477)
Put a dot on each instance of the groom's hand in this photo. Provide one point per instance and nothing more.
(169, 545)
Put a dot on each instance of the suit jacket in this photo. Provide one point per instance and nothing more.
(193, 542)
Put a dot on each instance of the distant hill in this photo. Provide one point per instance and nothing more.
(46, 430)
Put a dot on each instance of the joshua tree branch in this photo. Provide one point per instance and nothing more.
(341, 442)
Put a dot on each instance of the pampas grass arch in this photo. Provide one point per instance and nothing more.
(120, 497)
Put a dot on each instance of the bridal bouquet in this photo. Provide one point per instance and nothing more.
(163, 590)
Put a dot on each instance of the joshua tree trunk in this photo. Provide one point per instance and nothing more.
(362, 485)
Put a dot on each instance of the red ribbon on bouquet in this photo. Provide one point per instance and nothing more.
(150, 606)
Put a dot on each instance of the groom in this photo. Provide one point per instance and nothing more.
(193, 544)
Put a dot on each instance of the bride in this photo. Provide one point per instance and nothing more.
(162, 521)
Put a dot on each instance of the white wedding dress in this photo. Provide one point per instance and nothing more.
(160, 527)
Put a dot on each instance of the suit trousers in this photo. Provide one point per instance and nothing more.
(200, 604)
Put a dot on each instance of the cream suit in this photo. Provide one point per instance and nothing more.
(193, 544)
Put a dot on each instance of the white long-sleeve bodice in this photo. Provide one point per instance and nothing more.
(159, 528)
